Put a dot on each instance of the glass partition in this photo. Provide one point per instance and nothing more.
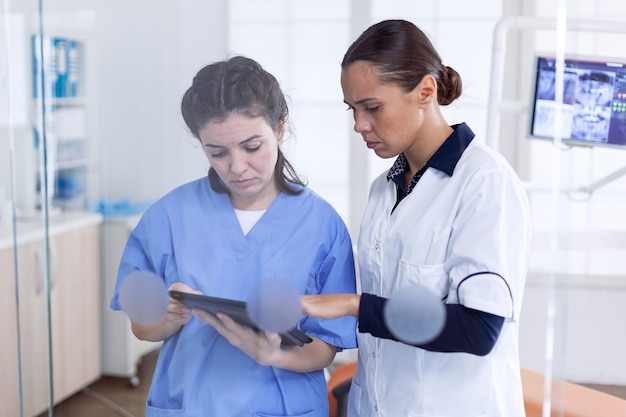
(27, 277)
(575, 180)
(91, 134)
(50, 240)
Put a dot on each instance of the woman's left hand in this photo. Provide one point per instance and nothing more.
(263, 347)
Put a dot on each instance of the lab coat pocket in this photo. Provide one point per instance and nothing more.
(433, 277)
(457, 385)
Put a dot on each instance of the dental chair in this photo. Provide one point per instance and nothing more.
(338, 389)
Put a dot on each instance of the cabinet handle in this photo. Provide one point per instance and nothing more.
(41, 276)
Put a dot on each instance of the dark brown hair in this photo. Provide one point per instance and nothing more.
(403, 55)
(239, 85)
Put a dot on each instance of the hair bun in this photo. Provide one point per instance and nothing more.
(451, 86)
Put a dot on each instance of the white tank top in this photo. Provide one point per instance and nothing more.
(247, 219)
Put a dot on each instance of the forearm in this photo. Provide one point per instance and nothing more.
(310, 357)
(265, 347)
(466, 330)
(156, 332)
(330, 306)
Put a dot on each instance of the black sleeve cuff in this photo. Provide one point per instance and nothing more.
(466, 330)
(371, 316)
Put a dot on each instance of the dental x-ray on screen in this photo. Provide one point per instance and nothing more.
(594, 101)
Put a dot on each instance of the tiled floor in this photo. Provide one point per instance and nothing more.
(111, 397)
(114, 397)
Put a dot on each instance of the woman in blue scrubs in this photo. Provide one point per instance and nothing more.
(250, 219)
(450, 216)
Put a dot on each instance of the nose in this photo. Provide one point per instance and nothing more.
(361, 124)
(238, 163)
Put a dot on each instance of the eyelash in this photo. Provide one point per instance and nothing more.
(223, 154)
(367, 109)
(254, 149)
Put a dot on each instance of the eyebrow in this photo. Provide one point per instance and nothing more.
(363, 100)
(243, 142)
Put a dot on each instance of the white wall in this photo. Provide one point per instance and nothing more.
(142, 69)
(302, 44)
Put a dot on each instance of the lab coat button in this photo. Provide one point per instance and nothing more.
(376, 246)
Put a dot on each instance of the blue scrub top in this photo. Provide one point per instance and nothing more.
(192, 235)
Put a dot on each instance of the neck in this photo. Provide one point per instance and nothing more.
(256, 202)
(429, 140)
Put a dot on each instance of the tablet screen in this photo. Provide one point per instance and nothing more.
(237, 311)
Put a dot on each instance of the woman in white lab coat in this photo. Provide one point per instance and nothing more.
(450, 215)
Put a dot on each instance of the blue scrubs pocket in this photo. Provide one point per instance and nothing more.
(309, 414)
(162, 412)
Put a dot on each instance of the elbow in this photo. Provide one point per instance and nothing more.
(147, 333)
(484, 348)
(490, 328)
(483, 352)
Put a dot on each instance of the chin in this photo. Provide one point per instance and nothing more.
(385, 155)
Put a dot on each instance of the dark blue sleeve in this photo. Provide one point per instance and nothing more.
(466, 330)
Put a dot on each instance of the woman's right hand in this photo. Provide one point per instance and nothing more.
(330, 306)
(177, 315)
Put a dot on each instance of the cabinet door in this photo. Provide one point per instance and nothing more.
(33, 322)
(74, 315)
(9, 394)
(76, 325)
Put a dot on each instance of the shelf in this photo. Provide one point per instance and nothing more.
(73, 164)
(61, 101)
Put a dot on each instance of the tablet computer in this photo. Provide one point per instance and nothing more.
(237, 311)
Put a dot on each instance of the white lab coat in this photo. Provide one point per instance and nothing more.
(466, 238)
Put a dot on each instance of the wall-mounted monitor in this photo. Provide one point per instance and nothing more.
(594, 101)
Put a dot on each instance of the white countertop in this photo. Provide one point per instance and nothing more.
(580, 258)
(32, 230)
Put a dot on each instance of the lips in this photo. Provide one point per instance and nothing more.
(243, 183)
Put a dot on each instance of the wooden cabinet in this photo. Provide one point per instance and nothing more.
(72, 314)
(9, 395)
(33, 326)
(76, 326)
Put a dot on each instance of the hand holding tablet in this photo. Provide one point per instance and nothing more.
(238, 311)
(273, 305)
